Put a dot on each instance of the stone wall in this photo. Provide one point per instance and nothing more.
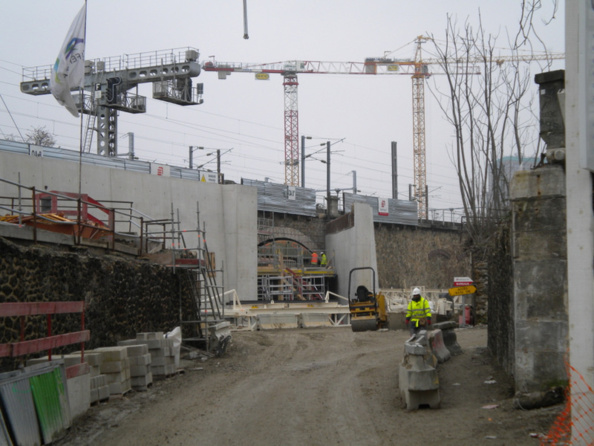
(406, 255)
(539, 253)
(500, 317)
(409, 256)
(123, 296)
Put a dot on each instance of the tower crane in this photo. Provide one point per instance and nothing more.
(289, 70)
(421, 72)
(418, 69)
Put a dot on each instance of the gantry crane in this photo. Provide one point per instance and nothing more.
(107, 83)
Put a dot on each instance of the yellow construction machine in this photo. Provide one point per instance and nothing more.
(367, 308)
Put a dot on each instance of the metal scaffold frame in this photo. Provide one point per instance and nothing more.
(209, 326)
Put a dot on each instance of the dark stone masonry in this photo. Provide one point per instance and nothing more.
(123, 296)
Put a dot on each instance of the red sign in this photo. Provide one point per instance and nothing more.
(463, 281)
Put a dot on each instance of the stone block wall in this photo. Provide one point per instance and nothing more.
(123, 296)
(539, 250)
(409, 256)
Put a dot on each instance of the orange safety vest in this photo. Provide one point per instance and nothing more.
(314, 258)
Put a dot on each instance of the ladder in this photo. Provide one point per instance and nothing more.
(211, 328)
(90, 130)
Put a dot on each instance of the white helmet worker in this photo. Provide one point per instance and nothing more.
(416, 292)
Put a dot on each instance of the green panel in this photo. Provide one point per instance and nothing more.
(49, 396)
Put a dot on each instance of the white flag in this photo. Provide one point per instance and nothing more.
(68, 70)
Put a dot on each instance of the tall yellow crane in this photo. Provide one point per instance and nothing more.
(421, 72)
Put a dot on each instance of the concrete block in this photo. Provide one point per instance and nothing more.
(156, 352)
(549, 181)
(98, 381)
(140, 360)
(137, 350)
(79, 394)
(129, 342)
(114, 366)
(163, 370)
(118, 377)
(150, 335)
(414, 349)
(139, 370)
(93, 358)
(438, 346)
(103, 393)
(120, 388)
(94, 395)
(162, 360)
(141, 382)
(451, 341)
(69, 360)
(154, 343)
(113, 353)
(446, 325)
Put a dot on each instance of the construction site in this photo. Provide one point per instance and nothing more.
(146, 296)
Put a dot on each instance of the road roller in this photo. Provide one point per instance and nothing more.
(367, 308)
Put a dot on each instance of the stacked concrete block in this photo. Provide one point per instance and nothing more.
(140, 364)
(418, 380)
(161, 350)
(99, 385)
(115, 366)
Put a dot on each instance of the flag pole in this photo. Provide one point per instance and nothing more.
(82, 106)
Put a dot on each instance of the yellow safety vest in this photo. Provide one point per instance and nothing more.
(418, 310)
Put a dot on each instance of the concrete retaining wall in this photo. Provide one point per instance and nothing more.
(227, 212)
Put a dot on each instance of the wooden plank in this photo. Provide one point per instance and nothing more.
(43, 344)
(10, 309)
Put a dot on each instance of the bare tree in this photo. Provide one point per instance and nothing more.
(41, 137)
(489, 102)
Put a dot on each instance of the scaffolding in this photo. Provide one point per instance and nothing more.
(189, 252)
(285, 269)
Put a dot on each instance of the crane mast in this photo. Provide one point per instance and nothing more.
(418, 114)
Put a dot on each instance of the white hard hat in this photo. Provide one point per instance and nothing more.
(416, 291)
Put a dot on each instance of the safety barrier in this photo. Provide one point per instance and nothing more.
(23, 347)
(579, 428)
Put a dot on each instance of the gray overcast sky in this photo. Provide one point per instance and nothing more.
(245, 114)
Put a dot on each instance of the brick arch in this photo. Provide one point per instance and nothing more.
(288, 233)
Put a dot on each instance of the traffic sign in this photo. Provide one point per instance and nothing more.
(463, 281)
(460, 290)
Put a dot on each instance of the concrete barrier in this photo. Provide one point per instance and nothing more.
(417, 378)
(438, 347)
(449, 336)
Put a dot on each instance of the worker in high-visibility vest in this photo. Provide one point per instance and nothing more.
(324, 261)
(418, 313)
(314, 259)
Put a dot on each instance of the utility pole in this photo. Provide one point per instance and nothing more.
(328, 197)
(394, 171)
(219, 165)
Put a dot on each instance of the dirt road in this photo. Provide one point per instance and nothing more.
(326, 386)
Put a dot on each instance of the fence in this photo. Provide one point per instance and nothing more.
(575, 424)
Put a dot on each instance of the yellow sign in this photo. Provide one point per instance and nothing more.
(460, 290)
(262, 76)
(393, 67)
